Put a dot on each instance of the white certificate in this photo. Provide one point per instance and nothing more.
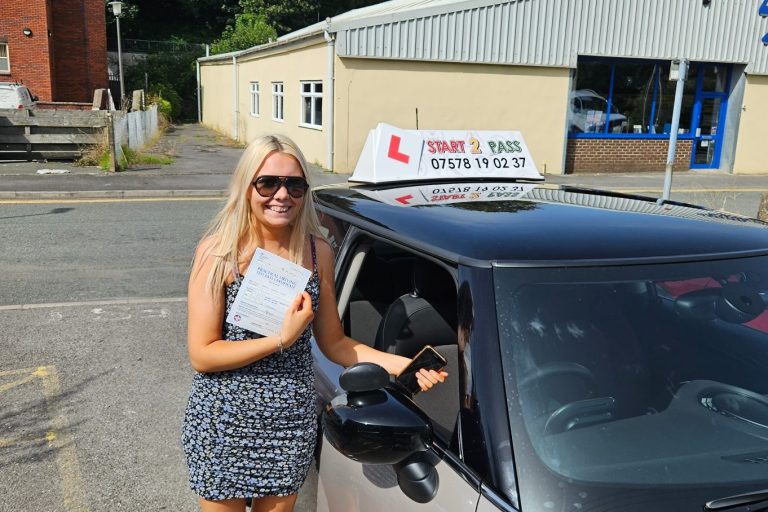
(267, 290)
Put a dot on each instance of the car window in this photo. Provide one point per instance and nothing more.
(7, 97)
(26, 97)
(648, 376)
(400, 302)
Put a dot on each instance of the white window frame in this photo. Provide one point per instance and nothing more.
(254, 99)
(313, 96)
(7, 60)
(278, 101)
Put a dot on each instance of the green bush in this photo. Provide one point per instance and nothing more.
(167, 93)
(249, 30)
(163, 105)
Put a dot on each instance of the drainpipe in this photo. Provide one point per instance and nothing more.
(330, 88)
(199, 101)
(235, 112)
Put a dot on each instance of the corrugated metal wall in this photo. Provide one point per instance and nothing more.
(556, 32)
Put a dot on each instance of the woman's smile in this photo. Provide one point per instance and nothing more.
(281, 208)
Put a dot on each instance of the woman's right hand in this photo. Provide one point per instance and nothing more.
(296, 319)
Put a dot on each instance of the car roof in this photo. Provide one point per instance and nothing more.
(547, 225)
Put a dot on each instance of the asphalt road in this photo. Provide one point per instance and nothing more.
(93, 368)
(78, 251)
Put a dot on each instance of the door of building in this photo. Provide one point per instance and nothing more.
(709, 109)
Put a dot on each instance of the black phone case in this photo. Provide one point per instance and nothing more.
(427, 358)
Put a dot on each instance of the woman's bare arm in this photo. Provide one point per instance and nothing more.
(208, 352)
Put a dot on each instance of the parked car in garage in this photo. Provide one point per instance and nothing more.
(605, 352)
(587, 113)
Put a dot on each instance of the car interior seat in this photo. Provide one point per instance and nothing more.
(383, 277)
(427, 316)
(578, 345)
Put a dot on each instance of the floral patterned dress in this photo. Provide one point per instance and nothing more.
(250, 432)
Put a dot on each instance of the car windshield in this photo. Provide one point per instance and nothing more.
(645, 383)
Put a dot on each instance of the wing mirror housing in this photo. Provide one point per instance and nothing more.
(373, 423)
(363, 377)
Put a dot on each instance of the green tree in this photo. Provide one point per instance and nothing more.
(284, 15)
(249, 30)
(172, 76)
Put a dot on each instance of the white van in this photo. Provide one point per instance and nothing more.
(16, 96)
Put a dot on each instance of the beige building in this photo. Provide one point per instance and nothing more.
(589, 83)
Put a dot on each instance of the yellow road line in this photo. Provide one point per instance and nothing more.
(6, 442)
(110, 200)
(57, 438)
(17, 383)
(21, 371)
(62, 445)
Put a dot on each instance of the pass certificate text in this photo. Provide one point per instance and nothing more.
(268, 287)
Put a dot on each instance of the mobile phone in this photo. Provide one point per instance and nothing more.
(428, 358)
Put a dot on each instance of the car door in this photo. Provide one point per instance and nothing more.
(347, 485)
(371, 276)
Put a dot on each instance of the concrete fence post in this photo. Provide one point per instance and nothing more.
(110, 139)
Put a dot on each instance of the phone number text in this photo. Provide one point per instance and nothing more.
(478, 162)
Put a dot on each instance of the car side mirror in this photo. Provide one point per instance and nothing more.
(363, 377)
(374, 426)
(35, 98)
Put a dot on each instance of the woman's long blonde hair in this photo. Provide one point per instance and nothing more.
(233, 225)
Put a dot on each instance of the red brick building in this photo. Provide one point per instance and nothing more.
(57, 48)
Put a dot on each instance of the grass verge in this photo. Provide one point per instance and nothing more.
(133, 157)
(95, 155)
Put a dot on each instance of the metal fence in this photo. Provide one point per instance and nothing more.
(150, 46)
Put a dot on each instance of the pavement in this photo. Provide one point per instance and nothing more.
(204, 160)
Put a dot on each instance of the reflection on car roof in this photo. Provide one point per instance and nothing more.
(548, 224)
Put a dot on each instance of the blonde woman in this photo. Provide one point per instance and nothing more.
(250, 426)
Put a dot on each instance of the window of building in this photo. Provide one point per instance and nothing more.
(620, 97)
(255, 99)
(277, 101)
(5, 62)
(312, 104)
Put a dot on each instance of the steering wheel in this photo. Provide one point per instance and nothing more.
(580, 414)
(559, 380)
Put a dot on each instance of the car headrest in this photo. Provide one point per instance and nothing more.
(411, 322)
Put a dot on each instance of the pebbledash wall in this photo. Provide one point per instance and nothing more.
(587, 82)
(64, 58)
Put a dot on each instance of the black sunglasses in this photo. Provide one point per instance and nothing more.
(267, 186)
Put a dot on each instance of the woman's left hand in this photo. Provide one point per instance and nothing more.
(428, 378)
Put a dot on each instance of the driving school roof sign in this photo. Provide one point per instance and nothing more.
(391, 154)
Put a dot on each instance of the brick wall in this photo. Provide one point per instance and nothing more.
(29, 55)
(65, 59)
(624, 155)
(79, 48)
(54, 105)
